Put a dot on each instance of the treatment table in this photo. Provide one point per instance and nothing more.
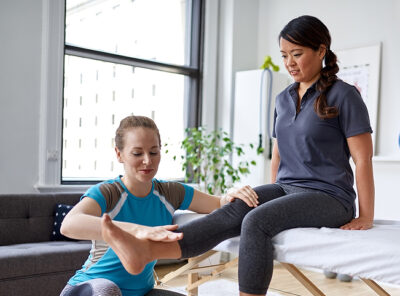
(372, 255)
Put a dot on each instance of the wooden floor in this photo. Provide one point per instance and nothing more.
(285, 284)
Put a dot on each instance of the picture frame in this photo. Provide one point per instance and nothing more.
(361, 67)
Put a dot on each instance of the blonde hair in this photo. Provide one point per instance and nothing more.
(134, 122)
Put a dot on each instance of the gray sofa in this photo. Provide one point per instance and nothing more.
(31, 264)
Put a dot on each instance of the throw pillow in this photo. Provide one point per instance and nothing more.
(60, 212)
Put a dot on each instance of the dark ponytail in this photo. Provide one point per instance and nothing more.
(310, 32)
(328, 77)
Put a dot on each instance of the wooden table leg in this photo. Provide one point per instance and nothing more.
(374, 286)
(303, 279)
(193, 277)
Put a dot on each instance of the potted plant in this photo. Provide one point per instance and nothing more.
(206, 159)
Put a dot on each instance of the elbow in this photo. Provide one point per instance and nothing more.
(368, 156)
(65, 228)
(365, 160)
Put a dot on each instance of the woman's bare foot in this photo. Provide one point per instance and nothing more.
(134, 253)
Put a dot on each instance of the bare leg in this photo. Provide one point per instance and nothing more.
(135, 253)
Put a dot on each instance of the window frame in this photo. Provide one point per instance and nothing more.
(52, 88)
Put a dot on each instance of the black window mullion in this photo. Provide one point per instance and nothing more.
(193, 92)
(130, 61)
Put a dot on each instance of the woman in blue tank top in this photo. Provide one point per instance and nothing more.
(138, 203)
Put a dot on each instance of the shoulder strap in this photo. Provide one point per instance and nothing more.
(173, 192)
(112, 193)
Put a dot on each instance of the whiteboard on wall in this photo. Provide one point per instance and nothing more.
(361, 68)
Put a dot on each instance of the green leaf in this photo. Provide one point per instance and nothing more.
(206, 156)
(244, 170)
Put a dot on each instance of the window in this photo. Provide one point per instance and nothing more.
(125, 57)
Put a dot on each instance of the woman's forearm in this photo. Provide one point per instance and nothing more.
(88, 227)
(365, 188)
(82, 226)
(274, 170)
(274, 162)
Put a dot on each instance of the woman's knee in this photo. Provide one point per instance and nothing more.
(263, 219)
(93, 287)
(252, 223)
(249, 221)
(105, 287)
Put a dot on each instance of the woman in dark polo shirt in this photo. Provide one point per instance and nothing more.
(320, 121)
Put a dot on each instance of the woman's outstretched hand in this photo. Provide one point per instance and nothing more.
(246, 193)
(359, 223)
(157, 233)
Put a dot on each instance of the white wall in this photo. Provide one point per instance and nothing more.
(20, 72)
(237, 50)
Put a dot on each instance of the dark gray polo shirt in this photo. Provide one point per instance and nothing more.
(313, 151)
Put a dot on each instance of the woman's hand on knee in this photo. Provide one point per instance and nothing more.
(246, 194)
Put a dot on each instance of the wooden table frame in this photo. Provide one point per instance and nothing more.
(195, 280)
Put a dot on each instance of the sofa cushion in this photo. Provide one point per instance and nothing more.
(26, 218)
(23, 260)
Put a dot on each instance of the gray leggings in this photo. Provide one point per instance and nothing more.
(104, 287)
(281, 207)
